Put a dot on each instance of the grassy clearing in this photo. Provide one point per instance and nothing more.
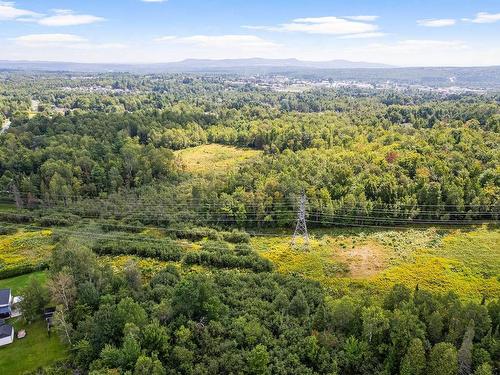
(323, 258)
(467, 263)
(479, 250)
(214, 158)
(25, 248)
(19, 282)
(148, 266)
(34, 351)
(440, 275)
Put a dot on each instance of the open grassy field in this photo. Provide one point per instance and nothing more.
(466, 262)
(479, 250)
(19, 282)
(214, 158)
(34, 351)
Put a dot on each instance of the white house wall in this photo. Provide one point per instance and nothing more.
(7, 340)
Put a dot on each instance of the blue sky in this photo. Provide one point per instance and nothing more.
(405, 33)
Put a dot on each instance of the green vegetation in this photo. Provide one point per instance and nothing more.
(478, 250)
(18, 283)
(465, 263)
(34, 351)
(214, 158)
(24, 252)
(212, 321)
(161, 210)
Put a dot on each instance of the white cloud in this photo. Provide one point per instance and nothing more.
(60, 17)
(63, 17)
(484, 17)
(325, 25)
(165, 38)
(437, 22)
(220, 41)
(63, 42)
(174, 48)
(419, 45)
(421, 52)
(98, 46)
(362, 18)
(8, 11)
(43, 39)
(412, 52)
(363, 35)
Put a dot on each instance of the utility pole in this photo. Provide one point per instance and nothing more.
(301, 227)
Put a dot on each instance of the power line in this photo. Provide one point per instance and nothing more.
(234, 216)
(288, 204)
(301, 226)
(235, 220)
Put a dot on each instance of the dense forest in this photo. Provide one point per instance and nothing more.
(390, 155)
(230, 322)
(91, 164)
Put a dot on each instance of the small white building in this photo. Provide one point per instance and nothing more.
(5, 303)
(6, 334)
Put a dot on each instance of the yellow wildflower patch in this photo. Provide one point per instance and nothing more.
(25, 248)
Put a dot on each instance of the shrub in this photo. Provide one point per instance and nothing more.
(166, 250)
(7, 230)
(60, 220)
(22, 270)
(116, 226)
(218, 254)
(236, 236)
(14, 217)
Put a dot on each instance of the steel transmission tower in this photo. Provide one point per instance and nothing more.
(301, 227)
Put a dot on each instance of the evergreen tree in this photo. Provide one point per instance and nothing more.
(414, 360)
(484, 369)
(465, 352)
(435, 327)
(443, 360)
(298, 306)
(258, 361)
(397, 296)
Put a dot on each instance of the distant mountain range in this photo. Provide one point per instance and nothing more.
(487, 77)
(193, 65)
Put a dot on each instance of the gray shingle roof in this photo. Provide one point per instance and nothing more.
(5, 331)
(4, 296)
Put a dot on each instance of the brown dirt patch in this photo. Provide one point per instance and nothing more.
(365, 260)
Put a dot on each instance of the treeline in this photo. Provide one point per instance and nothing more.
(256, 323)
(386, 158)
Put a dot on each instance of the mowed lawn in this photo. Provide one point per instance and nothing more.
(36, 349)
(18, 283)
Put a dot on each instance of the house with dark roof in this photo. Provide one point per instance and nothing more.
(5, 303)
(6, 334)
